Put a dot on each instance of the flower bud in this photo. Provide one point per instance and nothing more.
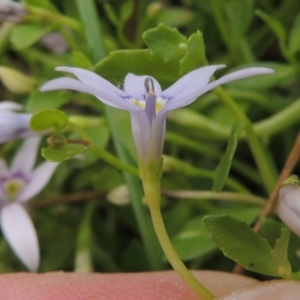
(289, 203)
(154, 8)
(57, 140)
(119, 195)
(13, 125)
(16, 81)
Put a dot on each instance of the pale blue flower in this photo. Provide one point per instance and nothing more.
(18, 184)
(289, 204)
(147, 103)
(13, 125)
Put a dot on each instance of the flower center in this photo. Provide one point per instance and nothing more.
(149, 86)
(13, 187)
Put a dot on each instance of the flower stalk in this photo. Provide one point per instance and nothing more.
(152, 190)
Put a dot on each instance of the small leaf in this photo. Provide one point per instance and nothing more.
(193, 240)
(24, 36)
(241, 244)
(48, 119)
(280, 254)
(62, 153)
(164, 42)
(195, 54)
(222, 170)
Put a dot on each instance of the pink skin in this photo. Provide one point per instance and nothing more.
(146, 286)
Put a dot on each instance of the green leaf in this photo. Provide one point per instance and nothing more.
(195, 54)
(222, 170)
(62, 153)
(165, 42)
(241, 244)
(193, 240)
(280, 254)
(24, 36)
(48, 119)
(81, 61)
(140, 62)
(126, 10)
(294, 41)
(39, 101)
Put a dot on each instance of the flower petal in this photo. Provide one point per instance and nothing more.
(9, 105)
(13, 125)
(25, 158)
(192, 95)
(289, 206)
(76, 85)
(93, 80)
(20, 233)
(244, 73)
(135, 86)
(148, 136)
(190, 83)
(38, 180)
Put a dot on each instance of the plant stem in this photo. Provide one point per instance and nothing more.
(255, 145)
(102, 153)
(208, 195)
(152, 193)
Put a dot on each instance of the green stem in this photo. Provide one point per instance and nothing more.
(208, 195)
(152, 194)
(102, 153)
(255, 145)
(44, 15)
(279, 121)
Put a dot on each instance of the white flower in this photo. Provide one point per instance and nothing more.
(147, 103)
(289, 204)
(18, 184)
(13, 125)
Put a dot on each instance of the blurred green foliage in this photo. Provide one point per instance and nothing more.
(78, 228)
